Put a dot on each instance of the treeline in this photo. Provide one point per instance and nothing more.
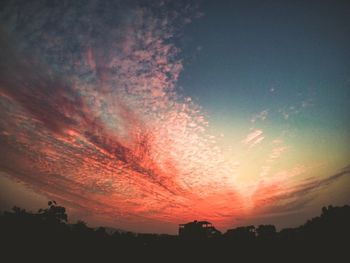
(47, 235)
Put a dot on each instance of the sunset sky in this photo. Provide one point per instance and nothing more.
(142, 115)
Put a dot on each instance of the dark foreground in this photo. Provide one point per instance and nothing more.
(46, 237)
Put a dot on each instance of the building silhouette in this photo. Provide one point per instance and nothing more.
(198, 230)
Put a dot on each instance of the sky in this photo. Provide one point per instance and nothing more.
(142, 115)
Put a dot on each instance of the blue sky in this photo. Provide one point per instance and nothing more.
(241, 50)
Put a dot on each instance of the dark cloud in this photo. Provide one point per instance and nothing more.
(46, 97)
(299, 196)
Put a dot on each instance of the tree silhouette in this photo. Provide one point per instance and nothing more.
(244, 233)
(266, 231)
(47, 231)
(54, 213)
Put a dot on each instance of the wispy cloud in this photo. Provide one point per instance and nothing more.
(253, 138)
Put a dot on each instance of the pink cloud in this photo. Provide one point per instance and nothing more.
(253, 138)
